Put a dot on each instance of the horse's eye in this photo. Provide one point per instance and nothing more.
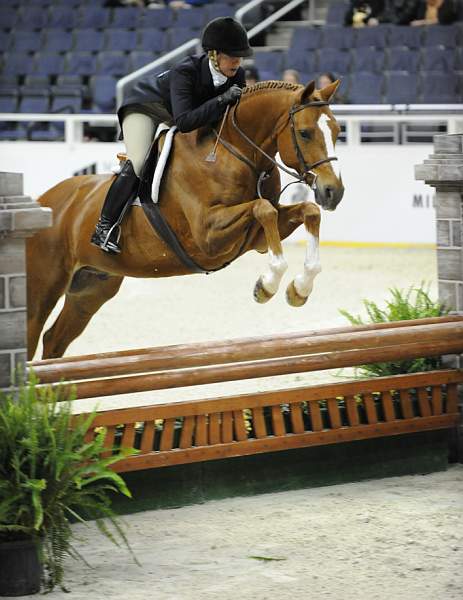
(305, 134)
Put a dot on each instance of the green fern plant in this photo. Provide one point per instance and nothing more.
(413, 303)
(50, 476)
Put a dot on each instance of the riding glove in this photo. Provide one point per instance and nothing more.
(231, 96)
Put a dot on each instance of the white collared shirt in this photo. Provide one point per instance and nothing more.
(217, 78)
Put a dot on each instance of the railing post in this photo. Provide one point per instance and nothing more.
(443, 170)
(20, 218)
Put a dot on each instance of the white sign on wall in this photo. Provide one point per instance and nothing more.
(382, 204)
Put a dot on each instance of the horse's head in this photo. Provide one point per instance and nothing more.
(307, 143)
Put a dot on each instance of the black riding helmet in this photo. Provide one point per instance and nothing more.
(226, 35)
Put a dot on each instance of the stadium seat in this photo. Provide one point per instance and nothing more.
(112, 63)
(375, 37)
(339, 37)
(140, 58)
(34, 102)
(56, 40)
(439, 88)
(403, 59)
(8, 17)
(155, 18)
(410, 37)
(307, 38)
(8, 99)
(441, 35)
(193, 18)
(152, 40)
(12, 131)
(63, 17)
(371, 61)
(334, 60)
(92, 16)
(25, 41)
(6, 39)
(16, 63)
(180, 35)
(402, 88)
(79, 63)
(302, 62)
(122, 40)
(8, 81)
(126, 17)
(48, 63)
(66, 100)
(90, 40)
(365, 88)
(269, 64)
(39, 81)
(214, 11)
(336, 13)
(103, 88)
(70, 82)
(31, 18)
(438, 59)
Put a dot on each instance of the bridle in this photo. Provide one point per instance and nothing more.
(308, 177)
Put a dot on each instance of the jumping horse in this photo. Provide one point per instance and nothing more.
(217, 210)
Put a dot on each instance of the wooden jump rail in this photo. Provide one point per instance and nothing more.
(237, 425)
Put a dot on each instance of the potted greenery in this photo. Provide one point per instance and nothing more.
(49, 477)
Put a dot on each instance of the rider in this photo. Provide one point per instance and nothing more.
(192, 94)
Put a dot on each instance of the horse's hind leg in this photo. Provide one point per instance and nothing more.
(88, 291)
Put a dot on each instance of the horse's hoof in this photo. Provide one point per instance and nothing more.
(260, 293)
(293, 298)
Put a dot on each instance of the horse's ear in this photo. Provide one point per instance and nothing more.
(307, 92)
(329, 91)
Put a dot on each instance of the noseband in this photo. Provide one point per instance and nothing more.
(308, 176)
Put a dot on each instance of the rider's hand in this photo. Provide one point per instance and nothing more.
(231, 96)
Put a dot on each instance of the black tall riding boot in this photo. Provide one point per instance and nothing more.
(122, 190)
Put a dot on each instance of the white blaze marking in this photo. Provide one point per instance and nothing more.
(312, 267)
(323, 124)
(277, 266)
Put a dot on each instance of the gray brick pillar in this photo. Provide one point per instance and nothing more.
(20, 218)
(443, 170)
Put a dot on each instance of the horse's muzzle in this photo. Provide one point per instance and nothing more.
(328, 196)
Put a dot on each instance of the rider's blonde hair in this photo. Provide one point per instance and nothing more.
(212, 54)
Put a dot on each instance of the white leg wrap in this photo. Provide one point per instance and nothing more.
(277, 266)
(312, 267)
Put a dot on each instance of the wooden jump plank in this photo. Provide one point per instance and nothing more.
(423, 402)
(333, 413)
(300, 394)
(167, 436)
(147, 437)
(272, 444)
(201, 431)
(406, 404)
(436, 400)
(297, 420)
(452, 399)
(214, 428)
(370, 408)
(240, 427)
(352, 411)
(277, 420)
(227, 426)
(258, 420)
(388, 406)
(186, 435)
(128, 437)
(315, 416)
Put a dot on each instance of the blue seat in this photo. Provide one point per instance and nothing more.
(125, 17)
(441, 35)
(17, 63)
(403, 59)
(156, 18)
(64, 17)
(90, 40)
(75, 3)
(365, 88)
(8, 81)
(371, 61)
(12, 131)
(214, 11)
(180, 35)
(402, 88)
(152, 40)
(8, 17)
(336, 12)
(307, 38)
(5, 40)
(56, 40)
(112, 63)
(302, 62)
(439, 88)
(140, 58)
(38, 102)
(120, 39)
(334, 60)
(375, 37)
(31, 18)
(410, 37)
(103, 89)
(48, 63)
(339, 37)
(37, 80)
(70, 82)
(66, 100)
(438, 59)
(96, 17)
(79, 63)
(25, 41)
(194, 18)
(269, 64)
(8, 99)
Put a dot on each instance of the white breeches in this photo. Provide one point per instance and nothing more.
(138, 131)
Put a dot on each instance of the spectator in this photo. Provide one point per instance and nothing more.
(362, 13)
(251, 74)
(398, 12)
(291, 76)
(432, 12)
(325, 79)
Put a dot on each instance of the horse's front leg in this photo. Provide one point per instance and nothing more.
(267, 284)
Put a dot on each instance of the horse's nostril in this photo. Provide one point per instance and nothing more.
(329, 192)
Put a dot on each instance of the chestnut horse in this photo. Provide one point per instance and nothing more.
(212, 207)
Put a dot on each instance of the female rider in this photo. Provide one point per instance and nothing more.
(192, 94)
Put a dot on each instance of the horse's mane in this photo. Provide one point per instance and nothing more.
(263, 86)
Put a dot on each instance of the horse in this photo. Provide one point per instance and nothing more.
(212, 207)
